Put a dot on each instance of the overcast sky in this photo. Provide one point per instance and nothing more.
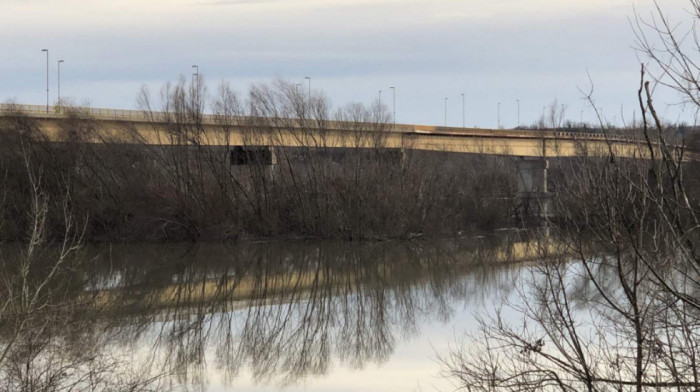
(490, 50)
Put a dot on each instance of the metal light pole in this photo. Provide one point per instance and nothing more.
(380, 102)
(309, 98)
(499, 115)
(393, 94)
(445, 111)
(195, 83)
(47, 79)
(561, 115)
(518, 101)
(196, 73)
(296, 88)
(59, 82)
(463, 110)
(543, 107)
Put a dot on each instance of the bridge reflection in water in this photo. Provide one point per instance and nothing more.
(287, 312)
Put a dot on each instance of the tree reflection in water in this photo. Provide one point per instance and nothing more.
(281, 310)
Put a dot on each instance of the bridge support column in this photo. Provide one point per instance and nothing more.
(534, 200)
(404, 157)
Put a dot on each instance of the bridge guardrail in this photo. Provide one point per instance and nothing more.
(56, 111)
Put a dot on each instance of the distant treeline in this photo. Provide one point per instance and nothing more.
(554, 117)
(675, 133)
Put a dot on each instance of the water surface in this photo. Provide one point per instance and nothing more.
(298, 316)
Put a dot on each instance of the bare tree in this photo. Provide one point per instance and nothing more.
(613, 303)
(552, 115)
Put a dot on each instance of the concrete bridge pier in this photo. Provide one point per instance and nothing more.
(534, 199)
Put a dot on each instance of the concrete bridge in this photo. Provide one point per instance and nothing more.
(255, 138)
(156, 128)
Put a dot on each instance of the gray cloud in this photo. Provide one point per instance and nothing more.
(234, 2)
(351, 49)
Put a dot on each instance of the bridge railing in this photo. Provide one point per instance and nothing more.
(29, 109)
(57, 111)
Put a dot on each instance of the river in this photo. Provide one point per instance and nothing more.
(293, 316)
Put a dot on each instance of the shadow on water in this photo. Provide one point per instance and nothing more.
(282, 311)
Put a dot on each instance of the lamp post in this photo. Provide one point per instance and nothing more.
(195, 82)
(59, 82)
(309, 79)
(393, 95)
(296, 88)
(380, 100)
(445, 111)
(463, 110)
(543, 107)
(499, 115)
(518, 101)
(561, 116)
(47, 79)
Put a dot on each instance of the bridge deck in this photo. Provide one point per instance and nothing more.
(132, 126)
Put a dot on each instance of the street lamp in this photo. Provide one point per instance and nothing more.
(393, 94)
(463, 109)
(47, 79)
(296, 88)
(445, 111)
(195, 83)
(561, 115)
(543, 107)
(518, 101)
(59, 82)
(499, 115)
(380, 100)
(309, 79)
